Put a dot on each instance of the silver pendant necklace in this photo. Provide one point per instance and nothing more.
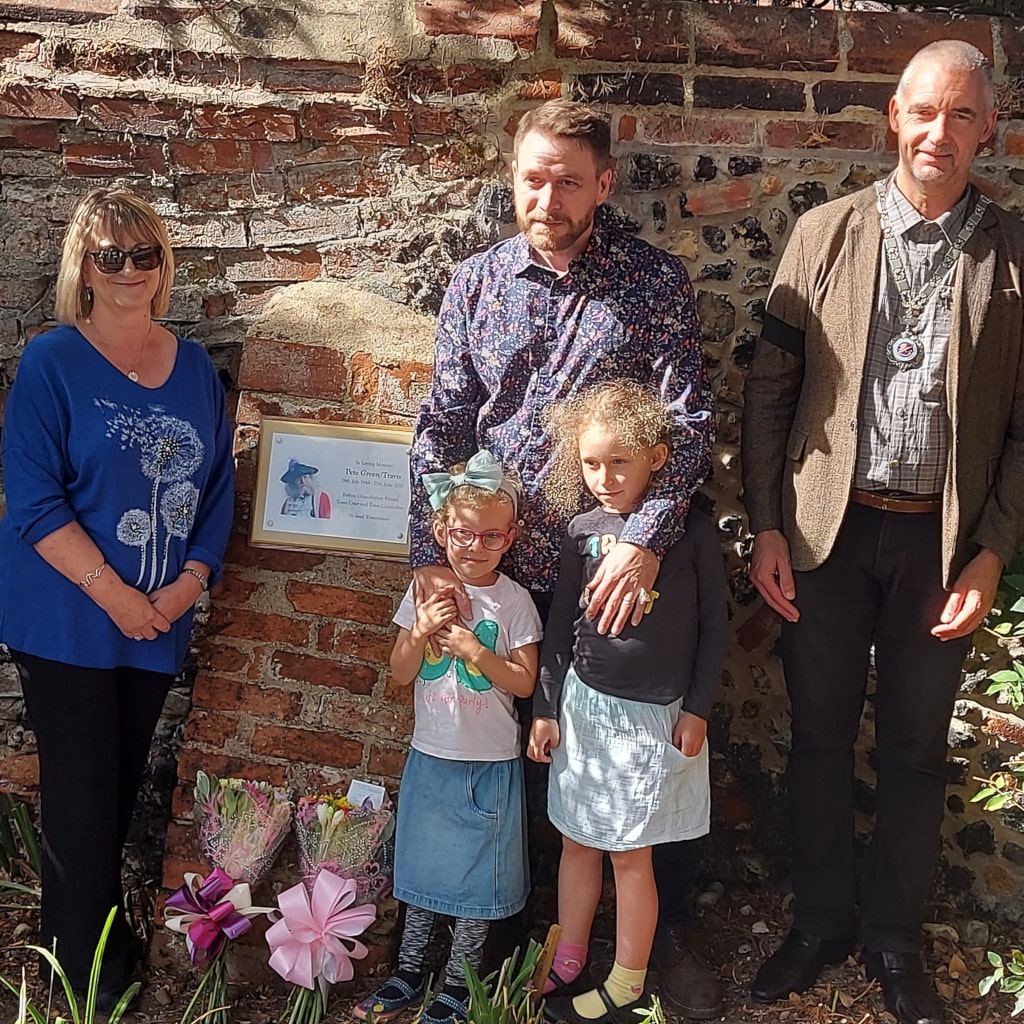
(131, 371)
(905, 350)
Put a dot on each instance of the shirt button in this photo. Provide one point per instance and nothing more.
(894, 464)
(901, 413)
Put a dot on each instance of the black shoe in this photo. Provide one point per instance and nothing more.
(909, 995)
(686, 984)
(795, 965)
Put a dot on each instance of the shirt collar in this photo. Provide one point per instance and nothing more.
(904, 217)
(596, 250)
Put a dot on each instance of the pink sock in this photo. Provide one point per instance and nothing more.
(569, 961)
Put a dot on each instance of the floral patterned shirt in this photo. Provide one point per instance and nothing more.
(513, 337)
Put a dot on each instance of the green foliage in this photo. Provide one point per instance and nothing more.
(20, 854)
(1008, 974)
(505, 996)
(80, 1013)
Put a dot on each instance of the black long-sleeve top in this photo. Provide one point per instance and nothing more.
(678, 650)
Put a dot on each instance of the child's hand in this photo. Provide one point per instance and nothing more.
(459, 642)
(689, 734)
(435, 611)
(544, 737)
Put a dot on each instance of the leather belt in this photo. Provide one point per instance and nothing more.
(874, 499)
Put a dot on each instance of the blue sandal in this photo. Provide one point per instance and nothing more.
(385, 1009)
(459, 1014)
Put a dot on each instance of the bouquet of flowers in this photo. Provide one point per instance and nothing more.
(241, 827)
(347, 839)
(344, 871)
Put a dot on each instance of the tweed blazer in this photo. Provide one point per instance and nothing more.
(802, 393)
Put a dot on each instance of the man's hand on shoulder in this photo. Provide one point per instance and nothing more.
(438, 581)
(615, 591)
(971, 596)
(771, 571)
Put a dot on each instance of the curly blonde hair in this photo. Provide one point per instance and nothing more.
(634, 413)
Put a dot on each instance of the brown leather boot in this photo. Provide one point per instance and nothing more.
(685, 983)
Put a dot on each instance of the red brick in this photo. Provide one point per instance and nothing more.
(710, 200)
(365, 644)
(222, 156)
(172, 875)
(394, 693)
(195, 231)
(227, 766)
(339, 603)
(250, 625)
(830, 97)
(1011, 36)
(460, 79)
(213, 729)
(820, 135)
(121, 159)
(544, 85)
(766, 38)
(387, 761)
(759, 628)
(219, 657)
(674, 130)
(371, 574)
(280, 75)
(325, 672)
(217, 693)
(429, 120)
(633, 88)
(306, 745)
(58, 10)
(336, 181)
(725, 92)
(269, 123)
(20, 771)
(272, 266)
(1013, 143)
(181, 840)
(19, 44)
(28, 135)
(136, 116)
(41, 104)
(232, 589)
(616, 30)
(883, 44)
(304, 224)
(286, 368)
(231, 191)
(240, 553)
(325, 636)
(333, 122)
(516, 20)
(627, 128)
(1003, 726)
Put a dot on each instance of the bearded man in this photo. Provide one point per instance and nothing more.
(571, 301)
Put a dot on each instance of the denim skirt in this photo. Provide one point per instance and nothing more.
(460, 844)
(617, 781)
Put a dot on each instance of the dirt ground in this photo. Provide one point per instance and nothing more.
(733, 934)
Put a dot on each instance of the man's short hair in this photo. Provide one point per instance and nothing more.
(951, 53)
(567, 119)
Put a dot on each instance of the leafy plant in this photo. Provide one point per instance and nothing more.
(80, 1013)
(1009, 975)
(505, 996)
(20, 853)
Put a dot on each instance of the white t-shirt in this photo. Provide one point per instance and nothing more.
(460, 716)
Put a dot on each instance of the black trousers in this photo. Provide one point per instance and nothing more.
(881, 586)
(94, 729)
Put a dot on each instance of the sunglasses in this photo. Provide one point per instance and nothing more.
(112, 260)
(492, 540)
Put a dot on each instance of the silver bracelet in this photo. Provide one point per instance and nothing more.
(92, 577)
(204, 582)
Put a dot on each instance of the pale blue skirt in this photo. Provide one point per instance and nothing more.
(617, 782)
(460, 841)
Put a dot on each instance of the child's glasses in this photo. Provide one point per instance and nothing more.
(492, 540)
(112, 260)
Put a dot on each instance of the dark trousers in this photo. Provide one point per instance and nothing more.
(94, 729)
(880, 586)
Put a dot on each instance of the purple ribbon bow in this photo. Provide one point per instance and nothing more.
(207, 917)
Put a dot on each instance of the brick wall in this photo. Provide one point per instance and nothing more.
(366, 145)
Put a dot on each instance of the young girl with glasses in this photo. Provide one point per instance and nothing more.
(461, 840)
(622, 719)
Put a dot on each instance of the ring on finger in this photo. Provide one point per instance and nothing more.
(136, 637)
(642, 596)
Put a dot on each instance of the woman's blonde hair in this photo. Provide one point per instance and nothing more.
(126, 219)
(634, 414)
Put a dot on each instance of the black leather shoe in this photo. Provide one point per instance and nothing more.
(909, 995)
(685, 983)
(795, 965)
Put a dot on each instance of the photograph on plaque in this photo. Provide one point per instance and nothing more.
(332, 487)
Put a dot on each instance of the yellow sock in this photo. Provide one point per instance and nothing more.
(622, 985)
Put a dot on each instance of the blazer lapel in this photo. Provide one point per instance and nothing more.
(863, 253)
(970, 305)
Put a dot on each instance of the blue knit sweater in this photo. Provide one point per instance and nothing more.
(146, 472)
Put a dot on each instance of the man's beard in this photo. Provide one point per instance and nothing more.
(553, 237)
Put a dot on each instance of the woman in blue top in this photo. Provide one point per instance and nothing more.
(118, 472)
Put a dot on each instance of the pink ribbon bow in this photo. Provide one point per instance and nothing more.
(314, 939)
(209, 911)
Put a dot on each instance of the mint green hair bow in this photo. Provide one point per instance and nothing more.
(483, 470)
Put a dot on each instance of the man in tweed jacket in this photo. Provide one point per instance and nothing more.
(883, 474)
